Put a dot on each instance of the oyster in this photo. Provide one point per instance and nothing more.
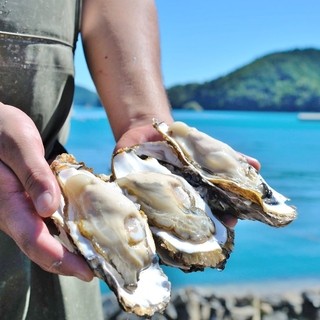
(112, 235)
(186, 233)
(233, 185)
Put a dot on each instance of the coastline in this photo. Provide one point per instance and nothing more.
(284, 299)
(262, 288)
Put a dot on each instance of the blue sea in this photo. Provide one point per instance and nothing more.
(289, 152)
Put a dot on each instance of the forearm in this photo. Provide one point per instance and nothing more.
(121, 44)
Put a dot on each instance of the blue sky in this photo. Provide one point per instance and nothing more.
(202, 40)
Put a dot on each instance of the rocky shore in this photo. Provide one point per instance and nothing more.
(271, 301)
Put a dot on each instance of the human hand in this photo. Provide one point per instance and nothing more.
(28, 193)
(137, 135)
(253, 162)
(146, 132)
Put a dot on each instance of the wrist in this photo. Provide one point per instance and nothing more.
(134, 113)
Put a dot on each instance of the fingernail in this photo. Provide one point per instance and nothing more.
(83, 277)
(44, 202)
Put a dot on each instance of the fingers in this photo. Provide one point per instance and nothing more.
(229, 220)
(138, 135)
(254, 162)
(36, 242)
(20, 221)
(22, 151)
(48, 253)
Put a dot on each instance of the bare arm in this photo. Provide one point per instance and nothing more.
(121, 44)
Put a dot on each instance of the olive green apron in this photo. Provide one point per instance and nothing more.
(37, 42)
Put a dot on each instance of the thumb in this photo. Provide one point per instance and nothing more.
(41, 185)
(22, 151)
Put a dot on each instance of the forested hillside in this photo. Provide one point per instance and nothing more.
(85, 97)
(284, 81)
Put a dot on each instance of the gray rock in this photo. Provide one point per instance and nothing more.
(206, 304)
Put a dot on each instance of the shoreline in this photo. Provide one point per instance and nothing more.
(259, 288)
(265, 300)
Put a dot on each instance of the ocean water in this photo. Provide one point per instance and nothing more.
(289, 152)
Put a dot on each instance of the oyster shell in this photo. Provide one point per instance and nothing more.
(232, 184)
(112, 235)
(186, 233)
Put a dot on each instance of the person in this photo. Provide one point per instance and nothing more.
(39, 278)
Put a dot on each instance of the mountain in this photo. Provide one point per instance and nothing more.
(282, 81)
(85, 97)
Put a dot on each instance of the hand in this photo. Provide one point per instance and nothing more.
(28, 193)
(146, 132)
(138, 135)
(254, 162)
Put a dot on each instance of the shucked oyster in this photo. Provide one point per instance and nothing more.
(234, 186)
(187, 235)
(112, 235)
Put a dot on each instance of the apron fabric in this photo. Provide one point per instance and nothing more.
(37, 43)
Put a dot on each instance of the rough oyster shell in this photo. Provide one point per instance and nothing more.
(112, 235)
(234, 185)
(187, 235)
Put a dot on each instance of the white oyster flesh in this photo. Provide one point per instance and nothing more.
(114, 237)
(218, 163)
(178, 217)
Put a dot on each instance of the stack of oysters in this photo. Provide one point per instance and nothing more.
(161, 205)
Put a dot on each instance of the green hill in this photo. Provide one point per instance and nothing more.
(283, 81)
(85, 97)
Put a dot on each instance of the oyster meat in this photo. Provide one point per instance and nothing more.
(186, 233)
(113, 236)
(229, 183)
